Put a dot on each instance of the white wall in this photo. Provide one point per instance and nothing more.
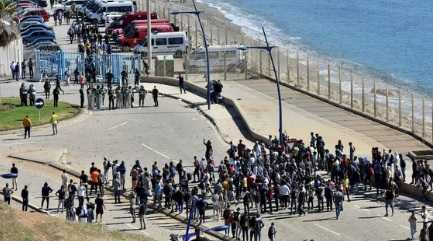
(12, 52)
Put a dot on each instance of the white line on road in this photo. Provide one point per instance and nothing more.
(327, 229)
(387, 219)
(118, 125)
(402, 226)
(156, 151)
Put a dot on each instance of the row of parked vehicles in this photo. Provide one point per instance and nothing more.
(32, 18)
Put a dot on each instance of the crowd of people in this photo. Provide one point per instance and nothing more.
(265, 178)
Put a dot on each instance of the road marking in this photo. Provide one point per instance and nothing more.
(402, 226)
(356, 206)
(156, 151)
(118, 125)
(327, 229)
(387, 219)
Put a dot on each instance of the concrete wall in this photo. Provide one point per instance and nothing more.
(12, 52)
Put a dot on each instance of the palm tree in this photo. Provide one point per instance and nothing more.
(8, 27)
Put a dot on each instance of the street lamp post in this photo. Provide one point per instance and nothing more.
(197, 13)
(149, 36)
(269, 48)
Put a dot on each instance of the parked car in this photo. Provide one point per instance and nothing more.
(29, 31)
(41, 39)
(32, 18)
(36, 12)
(38, 34)
(125, 19)
(35, 26)
(28, 23)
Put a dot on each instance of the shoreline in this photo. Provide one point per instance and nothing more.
(293, 45)
(383, 79)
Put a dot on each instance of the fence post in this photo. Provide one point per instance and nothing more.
(374, 98)
(269, 64)
(329, 82)
(196, 34)
(288, 66)
(318, 81)
(246, 66)
(351, 89)
(399, 108)
(413, 113)
(297, 69)
(278, 64)
(423, 117)
(211, 33)
(363, 95)
(260, 63)
(181, 22)
(188, 20)
(225, 52)
(387, 103)
(340, 90)
(308, 73)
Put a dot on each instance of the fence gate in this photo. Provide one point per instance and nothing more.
(53, 64)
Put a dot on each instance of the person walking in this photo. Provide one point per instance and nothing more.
(131, 199)
(389, 201)
(47, 89)
(141, 96)
(61, 194)
(56, 93)
(141, 213)
(30, 66)
(7, 194)
(181, 84)
(14, 171)
(25, 198)
(338, 201)
(99, 202)
(27, 124)
(46, 191)
(23, 69)
(155, 93)
(54, 121)
(81, 91)
(412, 224)
(272, 232)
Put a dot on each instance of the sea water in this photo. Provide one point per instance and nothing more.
(390, 37)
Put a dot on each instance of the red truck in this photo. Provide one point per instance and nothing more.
(125, 19)
(137, 33)
(118, 31)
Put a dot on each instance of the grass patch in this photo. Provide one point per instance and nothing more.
(12, 113)
(20, 226)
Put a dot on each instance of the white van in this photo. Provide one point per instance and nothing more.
(230, 57)
(111, 10)
(173, 43)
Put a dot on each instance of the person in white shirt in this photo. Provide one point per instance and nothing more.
(81, 194)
